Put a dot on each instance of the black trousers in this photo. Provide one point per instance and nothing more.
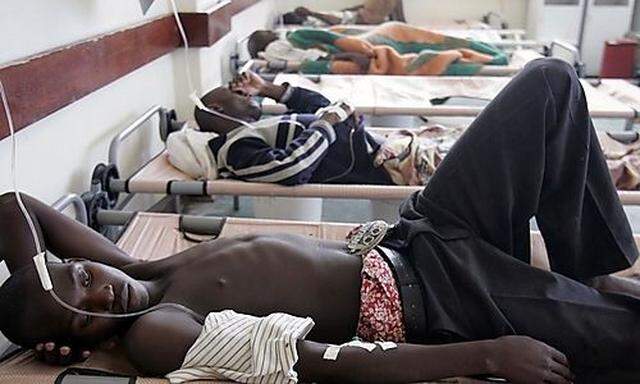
(532, 152)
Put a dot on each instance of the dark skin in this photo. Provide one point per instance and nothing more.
(304, 12)
(255, 274)
(237, 100)
(397, 14)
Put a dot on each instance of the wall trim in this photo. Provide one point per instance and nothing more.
(42, 84)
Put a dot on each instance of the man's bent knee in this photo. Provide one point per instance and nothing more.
(552, 67)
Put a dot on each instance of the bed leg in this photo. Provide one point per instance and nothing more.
(236, 203)
(629, 125)
(177, 204)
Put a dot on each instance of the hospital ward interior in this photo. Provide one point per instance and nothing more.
(329, 191)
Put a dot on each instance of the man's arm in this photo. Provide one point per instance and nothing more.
(297, 100)
(518, 359)
(158, 342)
(60, 234)
(252, 159)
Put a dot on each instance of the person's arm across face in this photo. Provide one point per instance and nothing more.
(297, 100)
(515, 358)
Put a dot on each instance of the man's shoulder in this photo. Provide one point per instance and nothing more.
(157, 342)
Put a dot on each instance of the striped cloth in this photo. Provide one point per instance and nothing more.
(245, 348)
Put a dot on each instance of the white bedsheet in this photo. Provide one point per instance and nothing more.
(411, 95)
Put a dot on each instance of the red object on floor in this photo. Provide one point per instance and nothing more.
(619, 59)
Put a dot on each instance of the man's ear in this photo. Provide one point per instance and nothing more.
(214, 106)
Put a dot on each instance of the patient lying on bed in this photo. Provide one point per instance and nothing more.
(316, 142)
(369, 12)
(445, 291)
(311, 144)
(392, 49)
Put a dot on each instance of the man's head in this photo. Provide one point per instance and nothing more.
(259, 40)
(30, 315)
(293, 18)
(223, 100)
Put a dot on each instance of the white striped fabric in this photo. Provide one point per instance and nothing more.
(245, 348)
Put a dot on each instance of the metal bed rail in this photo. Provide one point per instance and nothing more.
(75, 201)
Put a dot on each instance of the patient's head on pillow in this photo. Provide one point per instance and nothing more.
(293, 18)
(259, 40)
(30, 315)
(223, 100)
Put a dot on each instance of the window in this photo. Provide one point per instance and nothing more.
(611, 2)
(561, 2)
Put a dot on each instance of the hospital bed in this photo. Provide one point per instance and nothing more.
(519, 55)
(152, 236)
(621, 90)
(414, 95)
(521, 51)
(158, 176)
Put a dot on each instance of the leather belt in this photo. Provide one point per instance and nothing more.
(415, 319)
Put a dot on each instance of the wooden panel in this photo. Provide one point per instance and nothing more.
(44, 83)
(240, 5)
(41, 85)
(4, 124)
(203, 29)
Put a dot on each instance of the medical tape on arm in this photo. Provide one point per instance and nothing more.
(333, 351)
(336, 108)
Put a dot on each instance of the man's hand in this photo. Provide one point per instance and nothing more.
(247, 84)
(361, 59)
(52, 354)
(521, 359)
(335, 113)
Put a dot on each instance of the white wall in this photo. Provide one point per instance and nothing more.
(57, 154)
(422, 11)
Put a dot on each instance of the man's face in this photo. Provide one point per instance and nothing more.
(93, 287)
(239, 106)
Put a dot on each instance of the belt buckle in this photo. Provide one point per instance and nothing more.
(365, 237)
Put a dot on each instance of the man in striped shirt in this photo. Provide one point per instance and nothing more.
(308, 144)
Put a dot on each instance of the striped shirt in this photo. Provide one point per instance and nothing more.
(298, 148)
(245, 348)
